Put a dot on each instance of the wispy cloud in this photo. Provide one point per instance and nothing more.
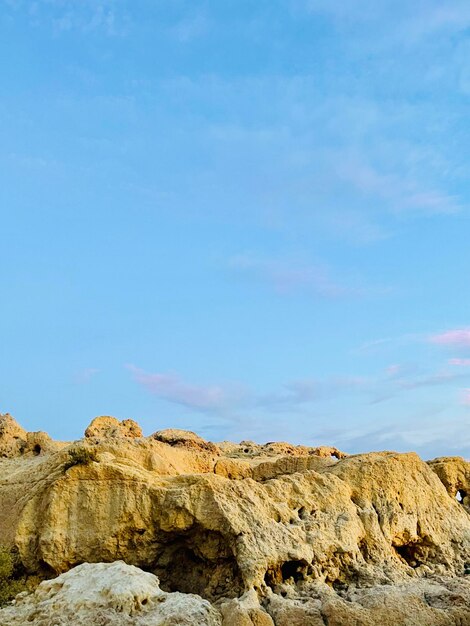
(355, 227)
(85, 375)
(430, 380)
(466, 397)
(374, 389)
(290, 276)
(227, 398)
(303, 405)
(429, 437)
(375, 345)
(190, 27)
(84, 16)
(402, 194)
(455, 338)
(293, 396)
(205, 398)
(409, 22)
(298, 394)
(369, 171)
(439, 17)
(459, 362)
(287, 277)
(394, 370)
(399, 379)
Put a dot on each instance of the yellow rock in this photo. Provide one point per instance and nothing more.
(312, 533)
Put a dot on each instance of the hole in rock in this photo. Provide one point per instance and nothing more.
(37, 449)
(412, 553)
(355, 500)
(364, 549)
(200, 562)
(47, 571)
(339, 585)
(419, 550)
(295, 570)
(460, 495)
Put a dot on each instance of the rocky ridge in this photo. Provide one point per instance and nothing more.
(263, 534)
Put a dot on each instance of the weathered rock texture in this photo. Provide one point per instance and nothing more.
(113, 594)
(106, 426)
(15, 441)
(268, 534)
(454, 473)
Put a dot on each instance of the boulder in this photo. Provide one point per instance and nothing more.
(454, 473)
(114, 594)
(185, 439)
(106, 426)
(12, 437)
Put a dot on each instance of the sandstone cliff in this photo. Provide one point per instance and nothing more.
(274, 534)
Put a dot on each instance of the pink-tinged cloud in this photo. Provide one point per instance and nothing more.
(460, 362)
(199, 397)
(466, 397)
(459, 338)
(394, 370)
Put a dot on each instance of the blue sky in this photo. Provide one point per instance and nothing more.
(245, 218)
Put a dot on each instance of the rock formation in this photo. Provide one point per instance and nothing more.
(15, 441)
(107, 426)
(274, 534)
(12, 436)
(113, 594)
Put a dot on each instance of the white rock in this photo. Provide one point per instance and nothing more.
(108, 594)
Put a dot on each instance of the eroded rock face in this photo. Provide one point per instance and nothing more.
(12, 437)
(454, 473)
(417, 603)
(117, 594)
(15, 441)
(254, 529)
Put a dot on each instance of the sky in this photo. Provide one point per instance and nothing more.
(249, 219)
